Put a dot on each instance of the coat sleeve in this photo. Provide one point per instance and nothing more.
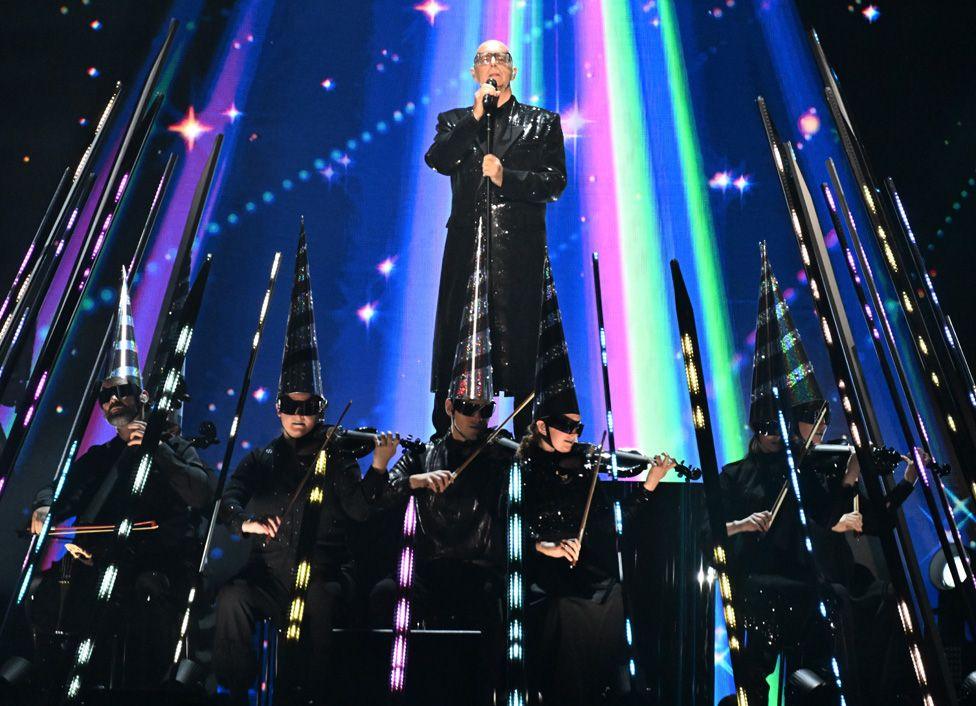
(396, 482)
(451, 142)
(180, 465)
(545, 183)
(238, 492)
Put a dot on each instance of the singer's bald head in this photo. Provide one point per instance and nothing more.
(493, 60)
(494, 46)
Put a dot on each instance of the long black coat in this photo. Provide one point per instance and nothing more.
(530, 147)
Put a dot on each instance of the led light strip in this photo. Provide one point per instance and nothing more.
(401, 615)
(516, 590)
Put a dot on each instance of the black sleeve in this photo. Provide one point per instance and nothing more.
(182, 468)
(545, 183)
(452, 141)
(878, 521)
(237, 493)
(349, 486)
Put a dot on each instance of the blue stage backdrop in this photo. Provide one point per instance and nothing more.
(327, 110)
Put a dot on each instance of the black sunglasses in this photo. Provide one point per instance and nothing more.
(311, 407)
(469, 408)
(565, 424)
(119, 392)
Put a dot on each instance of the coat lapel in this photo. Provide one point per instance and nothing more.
(514, 129)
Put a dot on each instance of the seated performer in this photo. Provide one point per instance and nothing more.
(160, 563)
(267, 498)
(782, 589)
(460, 544)
(575, 607)
(527, 170)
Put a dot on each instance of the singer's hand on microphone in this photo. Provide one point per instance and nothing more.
(485, 89)
(491, 167)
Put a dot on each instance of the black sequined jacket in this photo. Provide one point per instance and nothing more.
(529, 143)
(466, 521)
(555, 488)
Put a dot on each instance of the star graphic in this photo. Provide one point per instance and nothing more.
(344, 160)
(366, 312)
(431, 8)
(573, 122)
(232, 113)
(328, 172)
(871, 13)
(190, 128)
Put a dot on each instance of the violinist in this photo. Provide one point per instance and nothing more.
(574, 598)
(782, 586)
(96, 492)
(263, 501)
(460, 544)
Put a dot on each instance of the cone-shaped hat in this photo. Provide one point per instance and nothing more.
(123, 361)
(555, 390)
(780, 360)
(300, 367)
(472, 377)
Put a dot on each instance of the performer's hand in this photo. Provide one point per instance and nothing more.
(386, 444)
(491, 167)
(485, 89)
(37, 519)
(436, 481)
(137, 430)
(567, 549)
(849, 521)
(853, 471)
(756, 522)
(268, 526)
(660, 465)
(911, 472)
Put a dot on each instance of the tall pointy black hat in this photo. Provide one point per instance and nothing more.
(779, 360)
(555, 390)
(472, 377)
(300, 367)
(123, 360)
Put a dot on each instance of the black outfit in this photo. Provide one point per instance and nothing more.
(156, 569)
(781, 589)
(261, 487)
(575, 634)
(460, 546)
(529, 142)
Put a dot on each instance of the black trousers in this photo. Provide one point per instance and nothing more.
(305, 674)
(574, 645)
(450, 593)
(140, 627)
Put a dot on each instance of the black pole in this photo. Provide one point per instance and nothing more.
(873, 311)
(728, 575)
(242, 396)
(924, 646)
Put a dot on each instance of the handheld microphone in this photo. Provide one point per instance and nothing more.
(491, 102)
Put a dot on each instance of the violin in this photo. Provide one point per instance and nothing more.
(361, 442)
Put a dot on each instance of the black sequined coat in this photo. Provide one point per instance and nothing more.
(555, 488)
(465, 522)
(529, 143)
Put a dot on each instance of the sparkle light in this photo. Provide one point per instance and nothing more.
(190, 128)
(328, 84)
(232, 113)
(573, 123)
(809, 123)
(260, 394)
(871, 13)
(95, 25)
(93, 72)
(328, 172)
(366, 312)
(385, 268)
(431, 8)
(720, 180)
(741, 183)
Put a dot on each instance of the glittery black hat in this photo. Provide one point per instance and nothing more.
(779, 360)
(472, 377)
(555, 391)
(301, 370)
(123, 361)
